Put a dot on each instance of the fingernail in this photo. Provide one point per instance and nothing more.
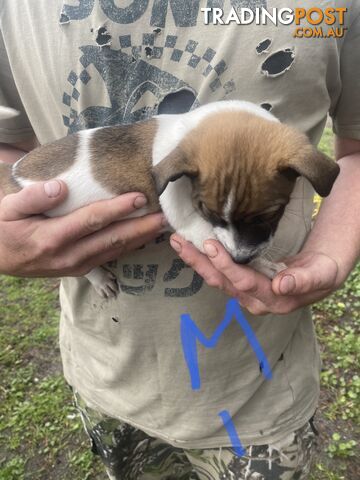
(287, 284)
(175, 245)
(210, 250)
(140, 201)
(52, 189)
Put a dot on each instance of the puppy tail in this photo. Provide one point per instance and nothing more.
(7, 183)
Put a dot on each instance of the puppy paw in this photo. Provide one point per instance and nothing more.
(104, 282)
(108, 288)
(266, 267)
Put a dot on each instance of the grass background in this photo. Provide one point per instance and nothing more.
(41, 435)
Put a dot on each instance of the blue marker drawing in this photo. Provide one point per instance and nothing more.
(190, 334)
(231, 430)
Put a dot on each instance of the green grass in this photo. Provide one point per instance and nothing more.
(39, 429)
(337, 320)
(40, 432)
(42, 438)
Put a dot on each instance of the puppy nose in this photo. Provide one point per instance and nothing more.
(242, 260)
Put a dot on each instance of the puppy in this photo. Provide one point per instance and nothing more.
(224, 171)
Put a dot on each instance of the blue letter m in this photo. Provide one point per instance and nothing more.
(190, 333)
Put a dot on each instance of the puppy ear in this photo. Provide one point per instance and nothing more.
(172, 167)
(318, 168)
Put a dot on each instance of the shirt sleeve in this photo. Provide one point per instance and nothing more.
(16, 129)
(346, 117)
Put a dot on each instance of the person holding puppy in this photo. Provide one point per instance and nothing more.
(124, 358)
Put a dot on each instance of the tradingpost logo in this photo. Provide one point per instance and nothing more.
(309, 23)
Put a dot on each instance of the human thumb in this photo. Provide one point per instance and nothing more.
(33, 200)
(318, 272)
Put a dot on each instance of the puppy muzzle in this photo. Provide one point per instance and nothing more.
(243, 259)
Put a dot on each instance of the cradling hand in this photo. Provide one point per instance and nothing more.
(33, 245)
(310, 276)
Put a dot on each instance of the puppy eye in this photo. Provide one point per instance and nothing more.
(213, 217)
(264, 218)
(204, 209)
(268, 217)
(223, 223)
(217, 220)
(257, 220)
(275, 214)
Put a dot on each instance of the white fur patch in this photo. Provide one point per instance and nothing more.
(83, 188)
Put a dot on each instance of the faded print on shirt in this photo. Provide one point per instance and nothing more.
(145, 71)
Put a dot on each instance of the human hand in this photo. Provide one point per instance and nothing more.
(310, 276)
(32, 245)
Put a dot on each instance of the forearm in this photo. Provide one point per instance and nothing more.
(10, 154)
(336, 232)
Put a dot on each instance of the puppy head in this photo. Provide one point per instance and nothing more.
(243, 169)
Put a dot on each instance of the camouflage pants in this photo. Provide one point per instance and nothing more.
(130, 454)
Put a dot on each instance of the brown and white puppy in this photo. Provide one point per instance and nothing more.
(223, 171)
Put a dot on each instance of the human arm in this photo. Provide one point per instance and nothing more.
(321, 267)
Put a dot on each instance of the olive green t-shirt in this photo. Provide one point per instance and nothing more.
(86, 63)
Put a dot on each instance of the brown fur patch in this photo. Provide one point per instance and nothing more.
(7, 183)
(48, 161)
(241, 151)
(122, 159)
